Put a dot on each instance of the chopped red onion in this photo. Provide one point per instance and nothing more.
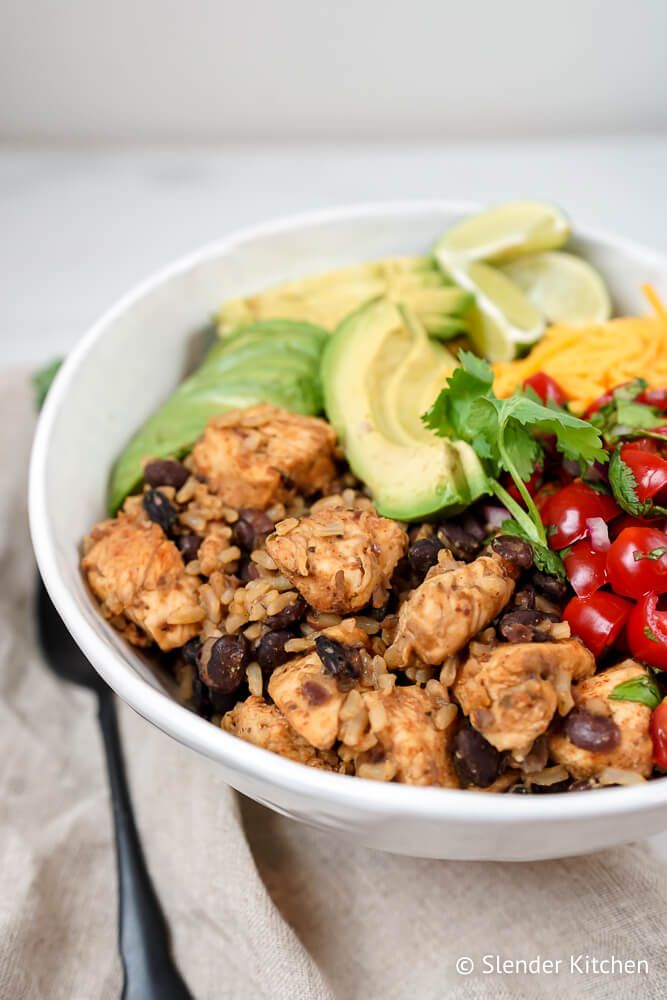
(598, 533)
(494, 514)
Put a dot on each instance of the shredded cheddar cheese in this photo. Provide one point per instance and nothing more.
(588, 361)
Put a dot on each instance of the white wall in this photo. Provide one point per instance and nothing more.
(373, 69)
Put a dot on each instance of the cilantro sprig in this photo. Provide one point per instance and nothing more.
(623, 417)
(642, 689)
(623, 484)
(504, 434)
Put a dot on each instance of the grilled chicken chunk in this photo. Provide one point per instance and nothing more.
(254, 721)
(309, 699)
(338, 558)
(137, 573)
(309, 696)
(262, 455)
(455, 601)
(634, 749)
(512, 692)
(413, 745)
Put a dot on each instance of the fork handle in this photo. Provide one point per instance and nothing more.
(149, 972)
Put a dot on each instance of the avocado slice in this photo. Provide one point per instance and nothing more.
(380, 372)
(271, 362)
(327, 298)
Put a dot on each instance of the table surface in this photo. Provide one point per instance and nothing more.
(78, 227)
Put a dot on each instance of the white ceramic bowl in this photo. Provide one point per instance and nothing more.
(121, 370)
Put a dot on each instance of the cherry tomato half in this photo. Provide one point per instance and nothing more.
(565, 513)
(532, 485)
(654, 397)
(629, 521)
(586, 568)
(658, 730)
(601, 401)
(546, 387)
(650, 470)
(647, 632)
(598, 620)
(637, 562)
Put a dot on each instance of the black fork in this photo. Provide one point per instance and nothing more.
(149, 972)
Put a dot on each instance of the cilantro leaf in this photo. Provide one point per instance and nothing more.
(545, 559)
(503, 433)
(642, 689)
(42, 380)
(654, 554)
(623, 416)
(624, 488)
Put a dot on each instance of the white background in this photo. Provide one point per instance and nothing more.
(211, 70)
(132, 131)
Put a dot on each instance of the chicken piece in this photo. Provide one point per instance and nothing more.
(137, 573)
(410, 747)
(262, 455)
(455, 601)
(255, 721)
(309, 699)
(634, 751)
(337, 558)
(512, 692)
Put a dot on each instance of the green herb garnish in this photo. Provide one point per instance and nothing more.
(641, 689)
(502, 433)
(624, 488)
(624, 417)
(654, 554)
(43, 379)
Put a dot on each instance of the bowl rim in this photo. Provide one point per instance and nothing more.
(157, 707)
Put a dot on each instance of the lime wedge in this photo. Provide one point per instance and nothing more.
(563, 287)
(503, 320)
(503, 232)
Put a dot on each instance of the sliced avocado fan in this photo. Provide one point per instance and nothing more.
(380, 372)
(276, 361)
(326, 299)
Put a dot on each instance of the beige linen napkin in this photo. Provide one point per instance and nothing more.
(260, 907)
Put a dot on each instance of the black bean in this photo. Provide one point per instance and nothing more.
(294, 612)
(224, 670)
(190, 652)
(475, 760)
(523, 625)
(550, 586)
(165, 472)
(188, 546)
(423, 554)
(598, 733)
(252, 528)
(583, 785)
(248, 570)
(270, 652)
(473, 526)
(514, 550)
(461, 543)
(339, 661)
(524, 598)
(159, 509)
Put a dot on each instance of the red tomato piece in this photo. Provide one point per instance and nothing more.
(532, 485)
(654, 397)
(565, 513)
(546, 387)
(598, 620)
(650, 470)
(629, 521)
(601, 401)
(637, 562)
(647, 632)
(586, 569)
(658, 730)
